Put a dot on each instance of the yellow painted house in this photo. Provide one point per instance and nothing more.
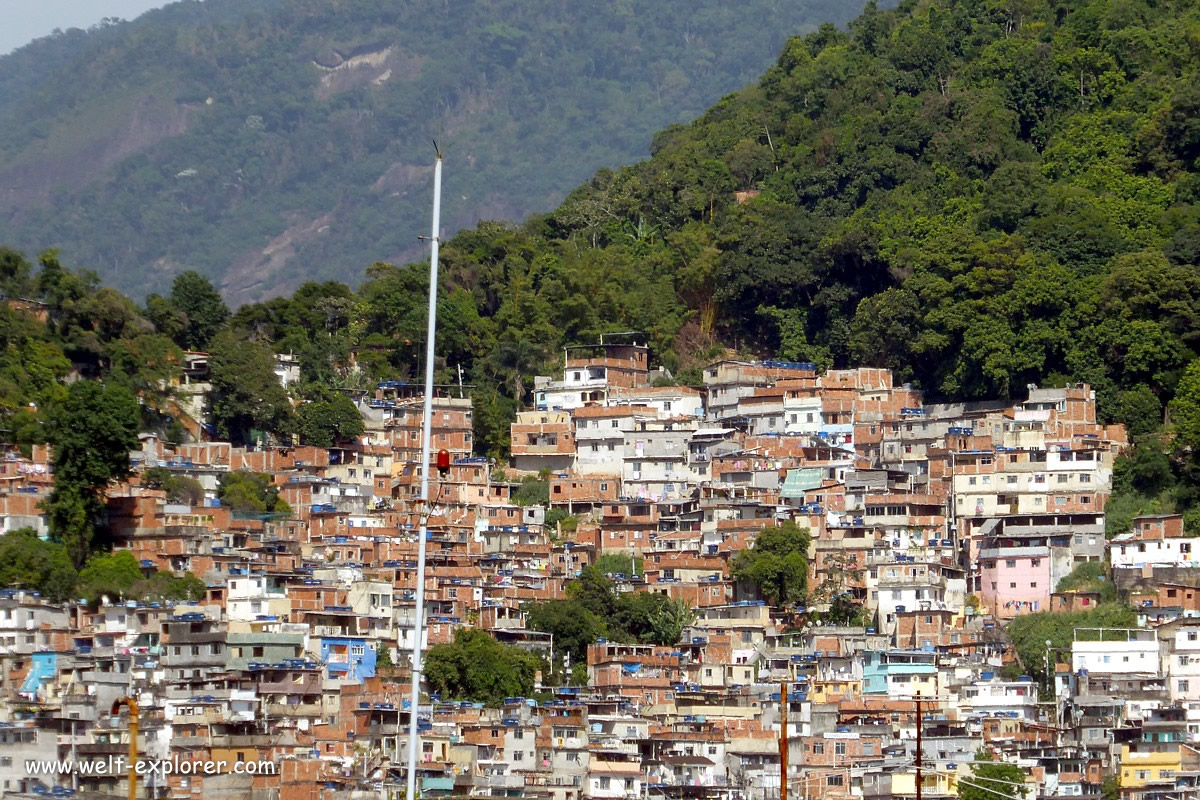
(1149, 762)
(935, 784)
(833, 691)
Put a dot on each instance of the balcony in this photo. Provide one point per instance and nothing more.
(499, 781)
(1014, 552)
(277, 710)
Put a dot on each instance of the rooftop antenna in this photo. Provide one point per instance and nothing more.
(426, 425)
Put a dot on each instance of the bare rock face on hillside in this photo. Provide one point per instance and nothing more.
(269, 142)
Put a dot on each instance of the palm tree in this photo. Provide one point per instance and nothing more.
(669, 621)
(512, 361)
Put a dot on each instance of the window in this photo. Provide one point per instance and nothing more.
(839, 748)
(1183, 686)
(818, 748)
(605, 782)
(834, 780)
(1035, 562)
(1010, 563)
(518, 755)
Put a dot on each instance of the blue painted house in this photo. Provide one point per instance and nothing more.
(348, 658)
(900, 672)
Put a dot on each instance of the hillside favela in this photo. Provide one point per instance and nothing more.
(827, 429)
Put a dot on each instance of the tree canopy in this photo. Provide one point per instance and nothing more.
(91, 431)
(777, 564)
(477, 667)
(991, 779)
(27, 562)
(250, 493)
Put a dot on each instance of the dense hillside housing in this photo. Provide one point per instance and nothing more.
(936, 523)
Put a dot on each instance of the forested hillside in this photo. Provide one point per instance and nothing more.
(978, 195)
(266, 142)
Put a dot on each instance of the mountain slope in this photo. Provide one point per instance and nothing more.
(264, 142)
(977, 194)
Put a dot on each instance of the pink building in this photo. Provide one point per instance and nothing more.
(1015, 580)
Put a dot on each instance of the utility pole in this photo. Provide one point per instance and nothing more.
(130, 705)
(426, 433)
(783, 740)
(920, 755)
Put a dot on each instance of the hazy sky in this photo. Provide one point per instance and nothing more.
(21, 21)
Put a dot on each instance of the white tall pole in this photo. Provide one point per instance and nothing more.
(426, 425)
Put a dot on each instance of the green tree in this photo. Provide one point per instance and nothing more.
(1145, 469)
(248, 492)
(192, 314)
(246, 394)
(594, 591)
(634, 614)
(1090, 576)
(166, 586)
(383, 661)
(1185, 408)
(513, 362)
(777, 564)
(325, 422)
(572, 623)
(477, 667)
(533, 491)
(669, 621)
(29, 563)
(1140, 410)
(112, 575)
(91, 432)
(991, 779)
(179, 488)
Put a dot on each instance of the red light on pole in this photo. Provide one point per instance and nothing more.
(443, 461)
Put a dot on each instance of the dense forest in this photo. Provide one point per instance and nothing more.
(266, 142)
(979, 195)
